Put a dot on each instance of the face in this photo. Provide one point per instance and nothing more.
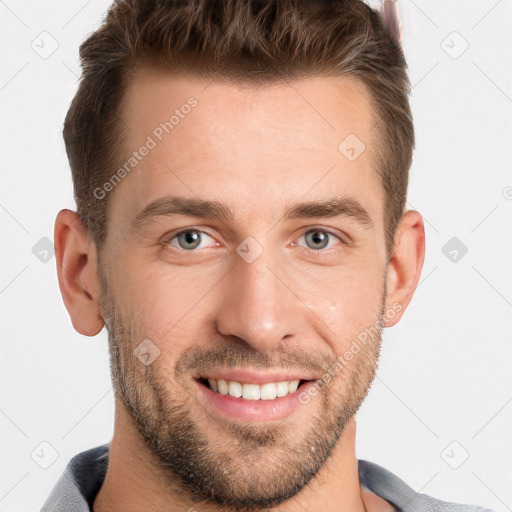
(211, 259)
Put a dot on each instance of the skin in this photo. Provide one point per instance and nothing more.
(298, 305)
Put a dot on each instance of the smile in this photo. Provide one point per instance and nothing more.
(266, 391)
(250, 402)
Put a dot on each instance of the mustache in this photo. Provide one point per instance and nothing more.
(226, 354)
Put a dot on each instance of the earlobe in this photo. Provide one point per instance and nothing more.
(77, 272)
(405, 265)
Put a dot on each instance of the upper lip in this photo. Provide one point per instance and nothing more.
(255, 377)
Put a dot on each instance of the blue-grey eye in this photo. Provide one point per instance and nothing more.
(190, 239)
(319, 238)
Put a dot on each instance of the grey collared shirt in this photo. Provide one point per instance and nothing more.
(81, 481)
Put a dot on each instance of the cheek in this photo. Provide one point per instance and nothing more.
(347, 300)
(165, 304)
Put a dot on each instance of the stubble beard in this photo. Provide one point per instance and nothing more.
(246, 467)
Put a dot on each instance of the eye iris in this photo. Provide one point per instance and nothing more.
(190, 237)
(318, 237)
(194, 238)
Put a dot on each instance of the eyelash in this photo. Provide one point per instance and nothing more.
(167, 240)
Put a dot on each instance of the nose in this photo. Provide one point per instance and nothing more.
(256, 305)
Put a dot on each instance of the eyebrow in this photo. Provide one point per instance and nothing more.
(214, 210)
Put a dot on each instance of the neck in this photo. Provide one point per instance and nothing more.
(133, 484)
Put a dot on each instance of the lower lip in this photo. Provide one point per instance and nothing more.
(251, 410)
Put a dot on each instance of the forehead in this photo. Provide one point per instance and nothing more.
(256, 148)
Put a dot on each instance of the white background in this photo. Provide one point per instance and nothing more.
(445, 371)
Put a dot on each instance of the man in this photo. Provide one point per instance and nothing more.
(240, 171)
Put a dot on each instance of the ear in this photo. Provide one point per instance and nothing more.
(75, 254)
(405, 264)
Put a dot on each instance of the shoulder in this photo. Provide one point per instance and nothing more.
(390, 487)
(80, 481)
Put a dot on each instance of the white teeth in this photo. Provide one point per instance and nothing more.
(268, 391)
(282, 388)
(251, 391)
(223, 387)
(293, 385)
(235, 389)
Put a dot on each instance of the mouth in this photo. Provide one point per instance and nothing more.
(253, 402)
(253, 391)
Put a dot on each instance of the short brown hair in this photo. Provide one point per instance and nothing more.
(244, 41)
